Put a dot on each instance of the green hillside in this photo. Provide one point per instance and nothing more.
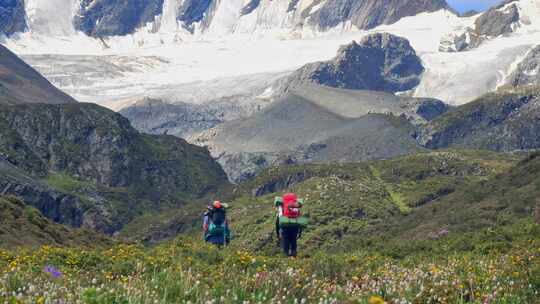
(505, 120)
(345, 203)
(84, 165)
(25, 226)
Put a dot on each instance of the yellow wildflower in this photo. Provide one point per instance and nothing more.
(376, 300)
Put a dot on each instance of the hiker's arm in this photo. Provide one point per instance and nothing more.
(205, 224)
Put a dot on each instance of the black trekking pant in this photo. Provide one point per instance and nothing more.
(289, 237)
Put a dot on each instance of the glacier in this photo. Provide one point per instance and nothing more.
(239, 55)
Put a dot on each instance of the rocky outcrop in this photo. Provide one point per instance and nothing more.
(498, 21)
(12, 17)
(528, 70)
(250, 7)
(193, 11)
(99, 145)
(243, 166)
(319, 15)
(281, 183)
(91, 152)
(380, 62)
(86, 210)
(506, 120)
(115, 18)
(181, 119)
(59, 207)
(24, 226)
(367, 14)
(103, 18)
(20, 83)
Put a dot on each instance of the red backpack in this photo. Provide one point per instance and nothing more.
(291, 207)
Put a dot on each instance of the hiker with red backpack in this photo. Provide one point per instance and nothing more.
(215, 224)
(289, 222)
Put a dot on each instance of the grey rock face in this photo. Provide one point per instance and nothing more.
(182, 120)
(454, 42)
(243, 166)
(507, 120)
(493, 23)
(12, 17)
(250, 7)
(111, 18)
(292, 5)
(496, 22)
(380, 62)
(279, 184)
(366, 14)
(193, 11)
(186, 120)
(59, 207)
(528, 71)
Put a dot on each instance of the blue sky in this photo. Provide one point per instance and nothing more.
(465, 5)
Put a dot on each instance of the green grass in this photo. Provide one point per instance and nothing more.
(24, 226)
(64, 182)
(395, 196)
(188, 271)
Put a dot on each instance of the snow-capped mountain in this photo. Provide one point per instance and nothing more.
(104, 18)
(119, 53)
(143, 43)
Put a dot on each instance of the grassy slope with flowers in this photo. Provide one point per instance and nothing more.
(398, 256)
(185, 271)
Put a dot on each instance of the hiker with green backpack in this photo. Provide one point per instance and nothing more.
(215, 224)
(289, 223)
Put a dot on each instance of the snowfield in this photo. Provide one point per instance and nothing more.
(242, 56)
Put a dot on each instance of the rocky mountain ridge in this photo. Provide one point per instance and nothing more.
(320, 124)
(506, 120)
(528, 70)
(498, 21)
(12, 17)
(111, 18)
(105, 18)
(20, 83)
(81, 149)
(379, 62)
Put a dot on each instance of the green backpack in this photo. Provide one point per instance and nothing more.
(217, 224)
(284, 221)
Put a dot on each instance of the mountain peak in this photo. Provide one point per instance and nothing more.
(20, 83)
(380, 62)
